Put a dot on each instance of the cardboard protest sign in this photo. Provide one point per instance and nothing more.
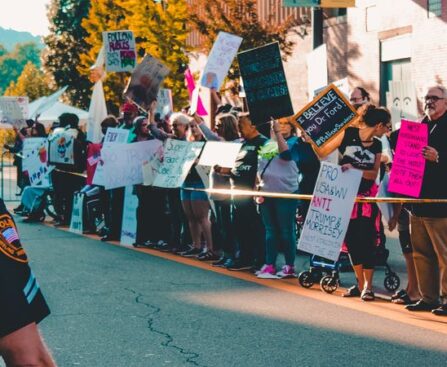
(408, 163)
(145, 81)
(129, 223)
(178, 159)
(123, 162)
(324, 118)
(265, 84)
(330, 210)
(113, 135)
(165, 106)
(191, 86)
(219, 60)
(76, 223)
(14, 110)
(120, 50)
(62, 146)
(219, 153)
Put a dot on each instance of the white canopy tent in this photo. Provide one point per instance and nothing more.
(49, 116)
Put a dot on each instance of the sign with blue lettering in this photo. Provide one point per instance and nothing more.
(265, 84)
(324, 118)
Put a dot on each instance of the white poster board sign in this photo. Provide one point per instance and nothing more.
(36, 163)
(14, 110)
(178, 159)
(164, 103)
(120, 50)
(113, 135)
(30, 145)
(62, 146)
(402, 102)
(123, 162)
(342, 85)
(330, 210)
(219, 153)
(76, 223)
(151, 167)
(129, 223)
(316, 70)
(219, 60)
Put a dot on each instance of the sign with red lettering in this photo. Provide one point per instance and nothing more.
(408, 163)
(330, 210)
(120, 50)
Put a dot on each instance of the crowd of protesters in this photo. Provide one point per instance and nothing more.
(247, 233)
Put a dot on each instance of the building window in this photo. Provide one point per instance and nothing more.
(434, 8)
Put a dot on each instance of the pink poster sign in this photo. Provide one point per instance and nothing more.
(190, 84)
(408, 163)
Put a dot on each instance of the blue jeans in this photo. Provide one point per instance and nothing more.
(279, 220)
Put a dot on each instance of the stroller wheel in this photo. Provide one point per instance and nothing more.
(305, 279)
(328, 284)
(391, 282)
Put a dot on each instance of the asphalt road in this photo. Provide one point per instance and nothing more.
(114, 306)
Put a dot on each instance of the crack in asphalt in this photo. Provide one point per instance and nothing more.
(169, 342)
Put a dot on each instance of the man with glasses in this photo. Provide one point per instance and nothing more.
(429, 221)
(359, 97)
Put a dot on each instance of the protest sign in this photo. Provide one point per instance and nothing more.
(113, 135)
(35, 161)
(265, 84)
(120, 50)
(30, 145)
(190, 85)
(165, 106)
(145, 81)
(219, 60)
(330, 210)
(408, 163)
(178, 159)
(342, 85)
(324, 118)
(123, 162)
(14, 110)
(76, 223)
(402, 101)
(129, 223)
(219, 153)
(151, 167)
(62, 146)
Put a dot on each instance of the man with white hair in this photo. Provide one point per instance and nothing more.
(429, 221)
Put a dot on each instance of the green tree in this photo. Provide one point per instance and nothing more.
(64, 45)
(239, 17)
(12, 63)
(32, 83)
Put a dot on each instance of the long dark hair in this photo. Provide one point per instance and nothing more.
(372, 116)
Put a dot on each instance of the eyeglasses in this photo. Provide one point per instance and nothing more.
(432, 98)
(356, 99)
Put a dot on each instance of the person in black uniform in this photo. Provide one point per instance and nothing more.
(22, 303)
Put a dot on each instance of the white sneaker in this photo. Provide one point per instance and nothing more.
(267, 272)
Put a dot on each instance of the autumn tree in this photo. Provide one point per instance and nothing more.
(104, 15)
(239, 17)
(32, 83)
(64, 45)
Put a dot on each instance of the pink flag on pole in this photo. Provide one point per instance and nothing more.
(191, 86)
(408, 163)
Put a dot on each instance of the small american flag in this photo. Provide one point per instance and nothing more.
(10, 234)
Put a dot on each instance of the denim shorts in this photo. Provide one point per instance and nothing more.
(189, 195)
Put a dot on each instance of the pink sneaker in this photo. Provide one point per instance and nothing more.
(267, 272)
(287, 272)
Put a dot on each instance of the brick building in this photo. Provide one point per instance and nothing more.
(371, 44)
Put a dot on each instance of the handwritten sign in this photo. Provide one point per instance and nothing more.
(76, 222)
(129, 223)
(223, 154)
(324, 118)
(122, 162)
(30, 145)
(265, 84)
(35, 161)
(178, 159)
(62, 146)
(219, 60)
(120, 50)
(14, 110)
(408, 163)
(152, 166)
(330, 210)
(164, 103)
(113, 135)
(145, 81)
